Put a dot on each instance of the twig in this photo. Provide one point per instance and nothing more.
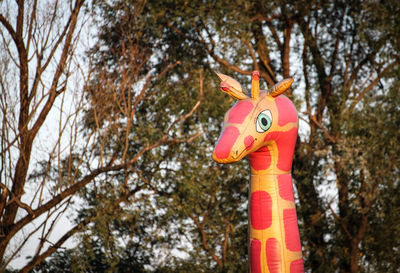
(319, 125)
(337, 217)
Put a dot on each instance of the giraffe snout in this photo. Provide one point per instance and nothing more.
(225, 143)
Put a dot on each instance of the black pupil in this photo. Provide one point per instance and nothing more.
(264, 121)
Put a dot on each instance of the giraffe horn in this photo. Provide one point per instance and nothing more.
(280, 87)
(255, 85)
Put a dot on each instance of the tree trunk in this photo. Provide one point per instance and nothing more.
(354, 256)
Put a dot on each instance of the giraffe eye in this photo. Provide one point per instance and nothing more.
(264, 121)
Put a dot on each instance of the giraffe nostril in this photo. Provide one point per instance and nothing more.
(236, 152)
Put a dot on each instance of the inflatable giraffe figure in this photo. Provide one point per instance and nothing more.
(264, 126)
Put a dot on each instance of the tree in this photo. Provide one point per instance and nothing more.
(185, 192)
(346, 55)
(28, 53)
(345, 60)
(42, 179)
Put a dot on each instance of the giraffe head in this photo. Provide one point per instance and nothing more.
(256, 121)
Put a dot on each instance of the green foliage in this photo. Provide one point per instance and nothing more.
(346, 162)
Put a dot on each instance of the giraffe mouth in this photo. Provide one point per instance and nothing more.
(234, 156)
(239, 154)
(248, 146)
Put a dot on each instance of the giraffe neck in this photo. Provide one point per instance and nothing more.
(274, 236)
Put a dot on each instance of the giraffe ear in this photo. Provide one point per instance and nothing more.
(231, 87)
(280, 87)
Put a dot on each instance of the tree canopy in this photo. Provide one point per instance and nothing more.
(137, 179)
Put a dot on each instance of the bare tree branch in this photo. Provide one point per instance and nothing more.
(370, 86)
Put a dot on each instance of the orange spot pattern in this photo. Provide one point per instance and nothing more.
(261, 210)
(285, 142)
(274, 260)
(285, 187)
(240, 111)
(248, 142)
(255, 251)
(260, 159)
(291, 233)
(285, 106)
